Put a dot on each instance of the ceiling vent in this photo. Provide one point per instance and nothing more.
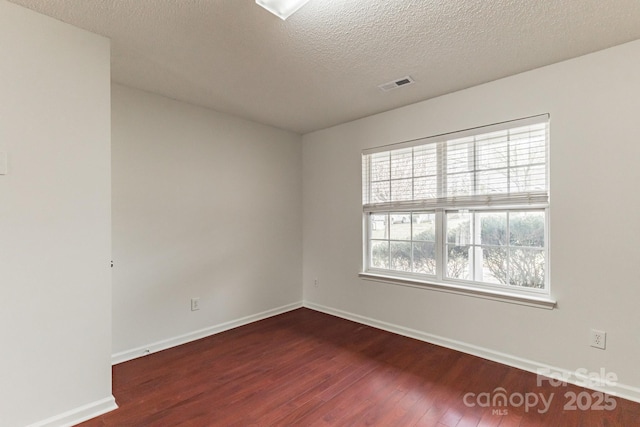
(402, 81)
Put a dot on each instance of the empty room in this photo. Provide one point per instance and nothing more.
(320, 212)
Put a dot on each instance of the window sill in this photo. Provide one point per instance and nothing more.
(531, 301)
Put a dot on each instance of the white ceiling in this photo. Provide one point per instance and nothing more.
(322, 66)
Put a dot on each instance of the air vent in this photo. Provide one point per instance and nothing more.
(403, 81)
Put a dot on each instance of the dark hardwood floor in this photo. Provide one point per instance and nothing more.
(305, 368)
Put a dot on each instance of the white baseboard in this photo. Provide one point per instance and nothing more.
(80, 414)
(196, 335)
(575, 377)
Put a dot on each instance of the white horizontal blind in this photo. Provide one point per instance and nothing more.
(498, 165)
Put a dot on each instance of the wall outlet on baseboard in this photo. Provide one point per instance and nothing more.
(598, 339)
(195, 303)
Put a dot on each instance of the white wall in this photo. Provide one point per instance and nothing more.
(594, 102)
(204, 205)
(55, 232)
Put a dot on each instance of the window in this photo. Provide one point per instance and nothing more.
(468, 209)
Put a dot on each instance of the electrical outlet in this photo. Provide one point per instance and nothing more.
(195, 304)
(598, 339)
(316, 282)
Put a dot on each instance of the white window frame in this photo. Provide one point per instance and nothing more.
(532, 200)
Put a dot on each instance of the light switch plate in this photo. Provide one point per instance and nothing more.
(3, 163)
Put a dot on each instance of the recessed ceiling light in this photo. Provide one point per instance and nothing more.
(282, 8)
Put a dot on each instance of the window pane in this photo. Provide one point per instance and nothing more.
(494, 265)
(426, 188)
(492, 150)
(458, 262)
(378, 223)
(460, 155)
(459, 184)
(424, 227)
(401, 256)
(424, 257)
(459, 228)
(402, 163)
(530, 178)
(380, 167)
(526, 229)
(380, 192)
(495, 181)
(526, 268)
(528, 145)
(425, 160)
(400, 226)
(379, 254)
(401, 190)
(493, 228)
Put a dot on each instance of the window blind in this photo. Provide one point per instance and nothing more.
(498, 165)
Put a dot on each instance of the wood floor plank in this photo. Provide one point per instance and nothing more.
(305, 368)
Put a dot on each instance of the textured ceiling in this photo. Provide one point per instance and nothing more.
(322, 66)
